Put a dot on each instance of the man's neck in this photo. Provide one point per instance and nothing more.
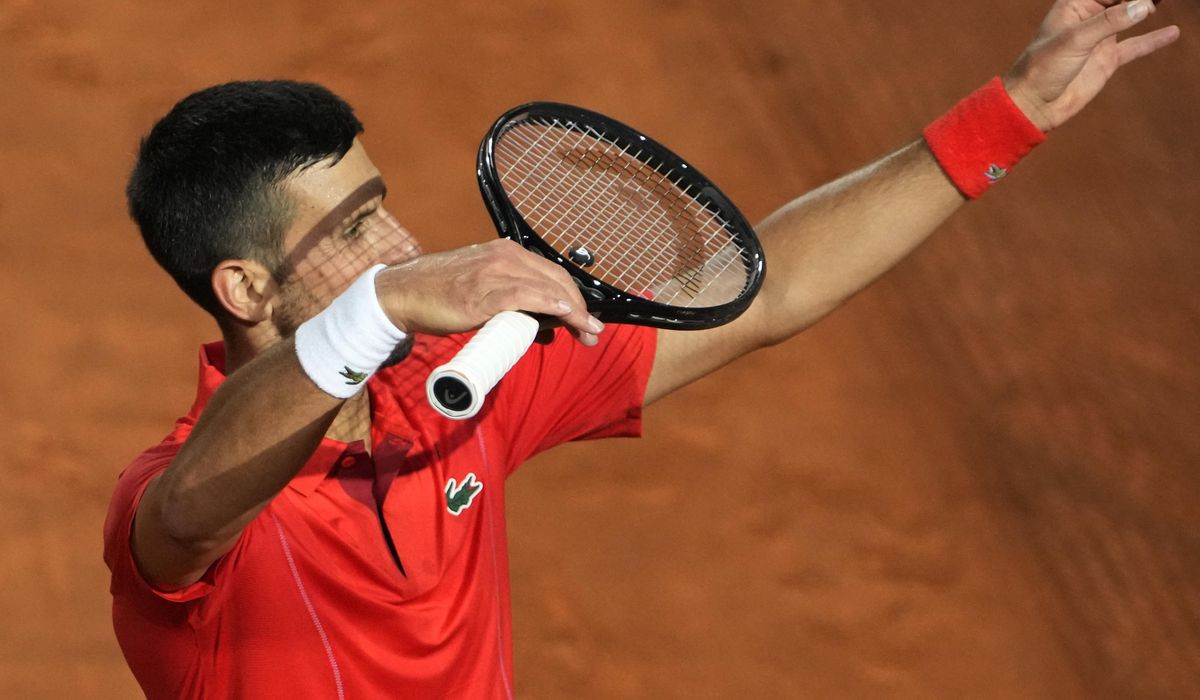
(353, 422)
(243, 343)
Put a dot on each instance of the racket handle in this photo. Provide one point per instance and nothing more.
(457, 389)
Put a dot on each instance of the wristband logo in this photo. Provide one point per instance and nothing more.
(995, 173)
(459, 498)
(353, 377)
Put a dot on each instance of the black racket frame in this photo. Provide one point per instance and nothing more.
(606, 302)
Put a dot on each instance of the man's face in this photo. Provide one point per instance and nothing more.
(339, 229)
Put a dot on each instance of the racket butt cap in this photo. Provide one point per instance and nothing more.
(452, 395)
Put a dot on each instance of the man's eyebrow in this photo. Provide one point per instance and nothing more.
(375, 187)
(362, 194)
(382, 194)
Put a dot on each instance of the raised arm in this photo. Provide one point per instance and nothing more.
(827, 245)
(265, 421)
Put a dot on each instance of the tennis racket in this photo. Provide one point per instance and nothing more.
(647, 238)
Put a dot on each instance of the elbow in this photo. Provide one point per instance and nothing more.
(181, 516)
(181, 529)
(778, 319)
(774, 323)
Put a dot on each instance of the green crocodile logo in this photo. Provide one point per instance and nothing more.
(995, 173)
(459, 498)
(351, 376)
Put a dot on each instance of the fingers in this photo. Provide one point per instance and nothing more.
(546, 288)
(536, 296)
(458, 290)
(1135, 47)
(1111, 21)
(575, 316)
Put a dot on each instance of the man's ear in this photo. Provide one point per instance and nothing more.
(246, 289)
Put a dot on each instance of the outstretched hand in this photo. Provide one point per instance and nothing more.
(1075, 53)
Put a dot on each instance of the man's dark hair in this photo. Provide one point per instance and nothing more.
(206, 186)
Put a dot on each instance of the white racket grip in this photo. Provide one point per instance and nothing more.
(457, 389)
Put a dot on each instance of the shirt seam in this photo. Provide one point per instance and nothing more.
(312, 611)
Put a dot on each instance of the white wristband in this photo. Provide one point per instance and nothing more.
(341, 347)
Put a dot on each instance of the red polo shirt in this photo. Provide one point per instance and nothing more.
(380, 575)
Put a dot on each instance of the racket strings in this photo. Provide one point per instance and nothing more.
(676, 210)
(647, 233)
(690, 273)
(605, 158)
(604, 212)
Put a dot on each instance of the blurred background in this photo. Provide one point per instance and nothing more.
(978, 479)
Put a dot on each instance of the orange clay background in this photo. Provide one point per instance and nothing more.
(981, 478)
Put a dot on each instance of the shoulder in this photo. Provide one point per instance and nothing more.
(131, 484)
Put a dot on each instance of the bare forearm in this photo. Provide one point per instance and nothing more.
(265, 421)
(830, 243)
(821, 248)
(259, 429)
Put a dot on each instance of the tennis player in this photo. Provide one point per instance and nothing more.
(310, 527)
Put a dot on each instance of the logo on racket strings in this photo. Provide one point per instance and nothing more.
(460, 497)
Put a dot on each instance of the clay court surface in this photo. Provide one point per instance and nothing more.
(981, 478)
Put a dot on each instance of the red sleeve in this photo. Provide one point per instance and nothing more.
(127, 582)
(565, 391)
